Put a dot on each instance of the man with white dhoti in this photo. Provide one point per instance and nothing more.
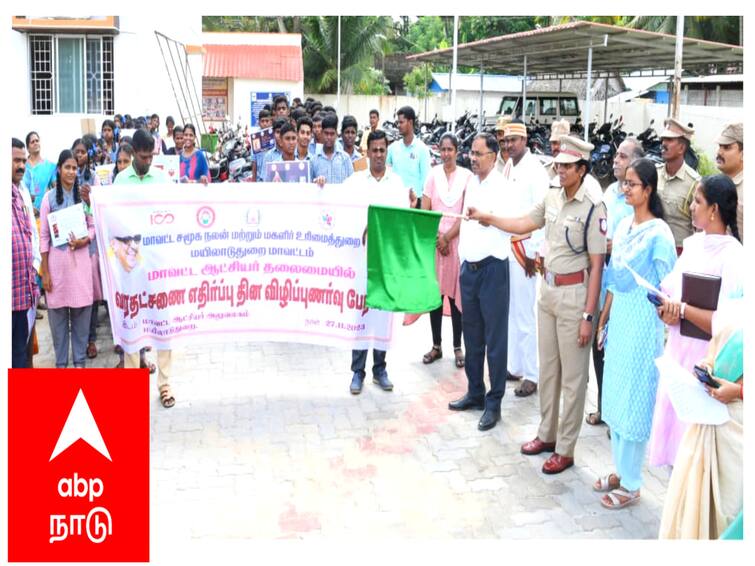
(528, 184)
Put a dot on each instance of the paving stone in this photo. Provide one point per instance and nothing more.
(283, 450)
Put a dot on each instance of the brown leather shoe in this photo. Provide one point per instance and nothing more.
(557, 464)
(537, 446)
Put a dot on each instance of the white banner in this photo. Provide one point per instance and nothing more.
(257, 262)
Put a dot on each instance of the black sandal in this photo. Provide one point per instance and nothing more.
(435, 354)
(144, 364)
(459, 355)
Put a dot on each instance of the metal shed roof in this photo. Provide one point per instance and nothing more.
(561, 52)
(273, 62)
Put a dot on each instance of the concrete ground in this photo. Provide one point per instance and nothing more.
(266, 442)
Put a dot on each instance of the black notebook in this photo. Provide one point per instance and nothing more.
(701, 291)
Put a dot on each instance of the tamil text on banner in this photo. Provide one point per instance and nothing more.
(193, 264)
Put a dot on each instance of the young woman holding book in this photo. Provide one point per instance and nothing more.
(67, 269)
(711, 251)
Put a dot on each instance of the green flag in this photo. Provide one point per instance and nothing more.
(401, 259)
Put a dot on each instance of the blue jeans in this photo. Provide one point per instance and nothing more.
(359, 360)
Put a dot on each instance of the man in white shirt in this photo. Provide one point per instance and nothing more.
(484, 254)
(528, 183)
(386, 188)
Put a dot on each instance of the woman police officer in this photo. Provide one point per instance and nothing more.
(574, 217)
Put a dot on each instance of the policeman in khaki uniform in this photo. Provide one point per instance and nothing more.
(558, 128)
(676, 180)
(575, 223)
(503, 155)
(730, 161)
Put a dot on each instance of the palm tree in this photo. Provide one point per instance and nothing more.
(724, 29)
(267, 24)
(361, 38)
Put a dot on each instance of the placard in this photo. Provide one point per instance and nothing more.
(65, 221)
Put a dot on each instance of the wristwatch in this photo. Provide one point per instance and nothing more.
(587, 316)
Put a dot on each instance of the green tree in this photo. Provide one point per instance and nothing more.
(263, 24)
(436, 32)
(474, 28)
(418, 80)
(372, 82)
(361, 38)
(428, 33)
(724, 29)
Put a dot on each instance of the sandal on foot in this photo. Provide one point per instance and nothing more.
(166, 397)
(619, 498)
(148, 365)
(594, 418)
(526, 388)
(92, 350)
(459, 355)
(434, 354)
(607, 483)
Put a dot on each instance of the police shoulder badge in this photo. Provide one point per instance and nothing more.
(603, 226)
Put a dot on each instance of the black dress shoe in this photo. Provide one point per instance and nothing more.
(489, 418)
(466, 403)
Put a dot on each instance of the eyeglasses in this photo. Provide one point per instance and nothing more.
(630, 184)
(477, 154)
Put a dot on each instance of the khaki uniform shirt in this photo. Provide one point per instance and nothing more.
(500, 164)
(677, 192)
(564, 222)
(739, 182)
(551, 169)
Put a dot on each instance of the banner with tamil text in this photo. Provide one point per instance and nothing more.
(241, 262)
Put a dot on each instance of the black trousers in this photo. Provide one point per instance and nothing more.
(19, 340)
(485, 302)
(598, 359)
(436, 322)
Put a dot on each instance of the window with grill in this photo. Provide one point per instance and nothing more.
(71, 74)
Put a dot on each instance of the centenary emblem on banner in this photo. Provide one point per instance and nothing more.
(78, 465)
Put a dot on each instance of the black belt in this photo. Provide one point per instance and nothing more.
(475, 265)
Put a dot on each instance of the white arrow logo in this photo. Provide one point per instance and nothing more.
(80, 424)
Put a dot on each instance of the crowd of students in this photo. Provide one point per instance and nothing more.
(592, 247)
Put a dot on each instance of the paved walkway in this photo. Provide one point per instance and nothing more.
(266, 442)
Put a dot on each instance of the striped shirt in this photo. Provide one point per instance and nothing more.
(22, 256)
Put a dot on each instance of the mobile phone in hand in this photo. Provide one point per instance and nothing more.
(603, 337)
(655, 299)
(703, 376)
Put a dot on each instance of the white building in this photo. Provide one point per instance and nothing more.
(68, 69)
(242, 71)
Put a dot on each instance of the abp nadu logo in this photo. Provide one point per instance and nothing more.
(78, 480)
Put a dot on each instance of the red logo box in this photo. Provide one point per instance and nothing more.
(78, 465)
